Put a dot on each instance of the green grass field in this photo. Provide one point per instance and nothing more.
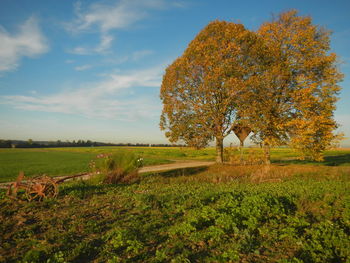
(36, 162)
(67, 161)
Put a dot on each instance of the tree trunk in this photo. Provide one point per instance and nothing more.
(241, 151)
(267, 154)
(219, 150)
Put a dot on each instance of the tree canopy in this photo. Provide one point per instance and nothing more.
(298, 86)
(280, 82)
(201, 89)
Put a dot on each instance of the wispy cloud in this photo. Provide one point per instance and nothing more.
(140, 54)
(27, 42)
(107, 99)
(69, 61)
(104, 19)
(105, 43)
(102, 48)
(81, 51)
(119, 15)
(83, 67)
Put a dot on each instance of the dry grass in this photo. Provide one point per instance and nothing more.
(252, 173)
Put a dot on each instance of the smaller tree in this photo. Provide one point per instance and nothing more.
(293, 97)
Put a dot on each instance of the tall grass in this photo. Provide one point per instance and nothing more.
(121, 167)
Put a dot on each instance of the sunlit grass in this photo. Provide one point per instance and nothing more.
(66, 161)
(41, 162)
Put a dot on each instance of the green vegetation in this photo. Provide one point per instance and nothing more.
(294, 213)
(66, 161)
(151, 155)
(121, 167)
(35, 162)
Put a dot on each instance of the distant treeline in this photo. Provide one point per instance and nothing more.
(79, 143)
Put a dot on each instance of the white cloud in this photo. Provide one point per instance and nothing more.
(27, 42)
(83, 67)
(69, 61)
(137, 55)
(102, 48)
(105, 18)
(106, 99)
(105, 44)
(80, 51)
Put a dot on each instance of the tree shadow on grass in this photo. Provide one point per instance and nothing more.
(85, 189)
(183, 172)
(331, 160)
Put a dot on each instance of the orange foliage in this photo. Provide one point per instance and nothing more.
(200, 90)
(280, 81)
(301, 86)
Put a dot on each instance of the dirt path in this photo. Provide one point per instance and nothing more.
(173, 166)
(146, 169)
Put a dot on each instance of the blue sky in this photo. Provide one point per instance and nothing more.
(92, 69)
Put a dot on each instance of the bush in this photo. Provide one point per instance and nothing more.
(121, 167)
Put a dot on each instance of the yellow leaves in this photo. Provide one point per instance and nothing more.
(280, 80)
(200, 89)
(300, 78)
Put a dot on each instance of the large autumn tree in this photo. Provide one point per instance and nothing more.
(201, 89)
(292, 98)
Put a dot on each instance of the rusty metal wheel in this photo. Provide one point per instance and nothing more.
(51, 188)
(40, 188)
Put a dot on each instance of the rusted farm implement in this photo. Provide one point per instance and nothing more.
(37, 188)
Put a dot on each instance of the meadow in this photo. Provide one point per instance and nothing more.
(68, 161)
(293, 211)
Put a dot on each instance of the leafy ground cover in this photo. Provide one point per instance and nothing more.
(66, 161)
(294, 213)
